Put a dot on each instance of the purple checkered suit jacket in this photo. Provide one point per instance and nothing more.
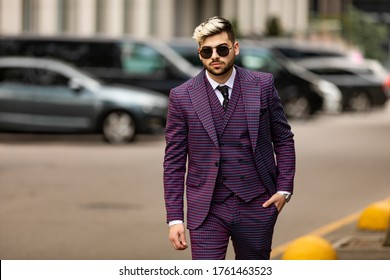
(192, 150)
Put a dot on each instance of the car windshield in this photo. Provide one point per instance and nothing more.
(78, 73)
(257, 59)
(140, 59)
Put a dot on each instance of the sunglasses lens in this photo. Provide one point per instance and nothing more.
(206, 52)
(223, 50)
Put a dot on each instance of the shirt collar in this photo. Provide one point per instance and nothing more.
(229, 82)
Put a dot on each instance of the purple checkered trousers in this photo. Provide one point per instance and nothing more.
(248, 224)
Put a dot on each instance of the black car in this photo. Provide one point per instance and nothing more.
(364, 84)
(296, 50)
(44, 95)
(148, 63)
(302, 93)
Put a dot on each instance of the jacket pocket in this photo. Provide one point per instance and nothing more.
(263, 111)
(193, 180)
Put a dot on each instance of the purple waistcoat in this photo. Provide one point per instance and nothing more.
(237, 169)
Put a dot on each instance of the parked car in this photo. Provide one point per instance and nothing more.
(148, 63)
(44, 95)
(363, 84)
(302, 93)
(296, 50)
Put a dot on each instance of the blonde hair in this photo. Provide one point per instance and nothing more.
(213, 26)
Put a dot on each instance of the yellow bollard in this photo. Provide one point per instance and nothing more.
(310, 247)
(375, 217)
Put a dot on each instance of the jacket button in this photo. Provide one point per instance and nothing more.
(242, 177)
(216, 164)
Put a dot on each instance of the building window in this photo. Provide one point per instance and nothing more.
(30, 16)
(67, 18)
(153, 18)
(101, 16)
(127, 16)
(63, 16)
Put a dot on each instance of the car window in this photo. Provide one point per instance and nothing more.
(189, 53)
(258, 60)
(329, 71)
(337, 71)
(14, 75)
(45, 77)
(363, 71)
(295, 53)
(290, 53)
(80, 53)
(139, 58)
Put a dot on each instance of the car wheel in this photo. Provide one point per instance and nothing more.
(118, 128)
(359, 102)
(297, 107)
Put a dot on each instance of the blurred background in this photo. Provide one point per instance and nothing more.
(342, 23)
(76, 72)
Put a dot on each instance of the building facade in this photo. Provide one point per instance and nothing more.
(145, 18)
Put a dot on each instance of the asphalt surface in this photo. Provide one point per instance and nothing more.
(75, 197)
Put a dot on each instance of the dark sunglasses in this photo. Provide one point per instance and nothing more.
(222, 50)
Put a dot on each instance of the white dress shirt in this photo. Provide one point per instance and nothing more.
(229, 83)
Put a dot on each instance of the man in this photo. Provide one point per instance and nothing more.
(239, 150)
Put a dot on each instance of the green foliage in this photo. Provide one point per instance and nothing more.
(361, 30)
(236, 27)
(273, 27)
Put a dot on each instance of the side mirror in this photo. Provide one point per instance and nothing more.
(75, 85)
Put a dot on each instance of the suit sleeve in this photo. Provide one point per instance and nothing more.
(283, 142)
(175, 159)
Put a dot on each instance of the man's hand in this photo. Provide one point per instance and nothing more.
(277, 199)
(177, 237)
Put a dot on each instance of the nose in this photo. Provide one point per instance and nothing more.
(215, 53)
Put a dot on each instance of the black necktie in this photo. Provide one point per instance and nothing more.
(225, 92)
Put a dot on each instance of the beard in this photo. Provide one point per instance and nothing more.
(220, 71)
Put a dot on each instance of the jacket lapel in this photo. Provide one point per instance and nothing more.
(200, 101)
(251, 93)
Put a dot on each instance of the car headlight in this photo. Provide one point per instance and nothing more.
(332, 96)
(329, 90)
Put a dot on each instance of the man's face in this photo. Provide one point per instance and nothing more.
(217, 64)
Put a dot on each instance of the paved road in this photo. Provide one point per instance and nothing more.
(66, 197)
